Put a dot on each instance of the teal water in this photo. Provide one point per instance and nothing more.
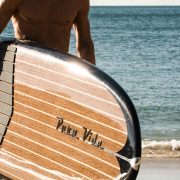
(140, 48)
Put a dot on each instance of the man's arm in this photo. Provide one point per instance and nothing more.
(7, 8)
(84, 45)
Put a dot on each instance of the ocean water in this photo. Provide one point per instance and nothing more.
(140, 48)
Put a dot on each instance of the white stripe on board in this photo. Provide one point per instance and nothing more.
(70, 77)
(111, 140)
(62, 154)
(2, 170)
(94, 121)
(102, 112)
(94, 97)
(62, 97)
(62, 142)
(29, 170)
(46, 158)
(63, 86)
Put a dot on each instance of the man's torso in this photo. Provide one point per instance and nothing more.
(47, 22)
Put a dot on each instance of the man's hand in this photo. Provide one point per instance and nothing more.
(84, 43)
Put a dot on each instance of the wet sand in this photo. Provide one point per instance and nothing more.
(159, 169)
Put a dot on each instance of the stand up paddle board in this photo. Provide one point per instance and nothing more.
(63, 118)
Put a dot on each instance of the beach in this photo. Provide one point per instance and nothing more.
(157, 169)
(160, 161)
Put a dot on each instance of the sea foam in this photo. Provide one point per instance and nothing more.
(172, 144)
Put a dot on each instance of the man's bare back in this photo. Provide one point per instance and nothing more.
(49, 23)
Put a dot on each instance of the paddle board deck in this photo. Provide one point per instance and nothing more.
(63, 118)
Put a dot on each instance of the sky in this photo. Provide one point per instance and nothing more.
(134, 2)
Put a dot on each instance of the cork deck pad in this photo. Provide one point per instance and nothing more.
(62, 118)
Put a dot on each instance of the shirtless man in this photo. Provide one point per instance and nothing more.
(49, 23)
